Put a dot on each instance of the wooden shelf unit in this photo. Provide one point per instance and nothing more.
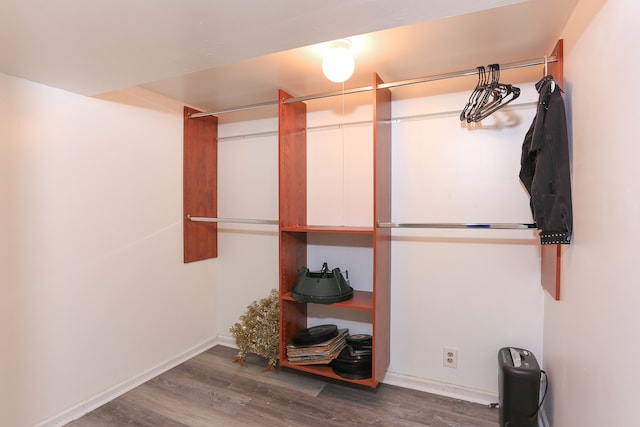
(294, 230)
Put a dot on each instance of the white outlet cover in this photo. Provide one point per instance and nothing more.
(450, 357)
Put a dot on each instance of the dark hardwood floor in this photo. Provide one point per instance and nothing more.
(211, 390)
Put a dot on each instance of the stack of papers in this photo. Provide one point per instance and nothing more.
(316, 354)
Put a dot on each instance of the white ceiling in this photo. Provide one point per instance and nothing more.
(217, 54)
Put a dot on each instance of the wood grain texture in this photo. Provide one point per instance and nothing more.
(550, 262)
(200, 185)
(292, 161)
(211, 390)
(382, 241)
(292, 192)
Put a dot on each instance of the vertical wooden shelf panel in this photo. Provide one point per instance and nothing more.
(551, 254)
(200, 161)
(550, 269)
(292, 158)
(292, 194)
(556, 69)
(382, 236)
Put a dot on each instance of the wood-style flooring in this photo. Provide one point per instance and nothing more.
(211, 390)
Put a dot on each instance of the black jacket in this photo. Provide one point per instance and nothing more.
(544, 165)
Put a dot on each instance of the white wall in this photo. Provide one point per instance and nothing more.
(476, 290)
(93, 291)
(247, 188)
(592, 332)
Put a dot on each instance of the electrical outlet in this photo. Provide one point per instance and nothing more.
(450, 357)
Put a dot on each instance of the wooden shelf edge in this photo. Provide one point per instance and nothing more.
(326, 371)
(362, 300)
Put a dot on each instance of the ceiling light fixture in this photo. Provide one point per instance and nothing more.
(338, 64)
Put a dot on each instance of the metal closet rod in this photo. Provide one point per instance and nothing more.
(232, 220)
(438, 114)
(436, 77)
(498, 226)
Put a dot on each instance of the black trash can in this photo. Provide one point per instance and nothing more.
(519, 387)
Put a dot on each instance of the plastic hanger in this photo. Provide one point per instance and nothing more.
(508, 94)
(490, 96)
(472, 98)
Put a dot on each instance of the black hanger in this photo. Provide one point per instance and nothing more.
(474, 94)
(489, 97)
(507, 94)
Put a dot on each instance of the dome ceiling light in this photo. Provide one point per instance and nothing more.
(338, 63)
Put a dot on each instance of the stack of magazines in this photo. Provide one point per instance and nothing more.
(308, 352)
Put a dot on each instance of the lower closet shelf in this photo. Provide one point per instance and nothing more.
(326, 371)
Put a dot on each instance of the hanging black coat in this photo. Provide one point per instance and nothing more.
(544, 165)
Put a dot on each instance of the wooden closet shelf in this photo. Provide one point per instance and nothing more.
(325, 371)
(362, 300)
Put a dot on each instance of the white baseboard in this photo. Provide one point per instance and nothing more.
(111, 393)
(227, 341)
(444, 389)
(543, 421)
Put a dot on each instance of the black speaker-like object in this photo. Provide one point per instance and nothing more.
(519, 383)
